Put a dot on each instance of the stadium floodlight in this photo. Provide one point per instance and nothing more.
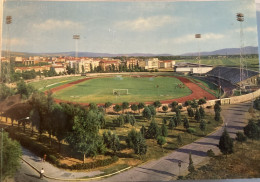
(240, 18)
(1, 27)
(198, 36)
(76, 38)
(8, 21)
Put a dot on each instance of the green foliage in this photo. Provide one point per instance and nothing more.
(164, 130)
(179, 139)
(171, 124)
(136, 141)
(5, 91)
(186, 123)
(194, 104)
(190, 112)
(217, 116)
(11, 155)
(125, 105)
(202, 112)
(23, 89)
(226, 143)
(201, 101)
(191, 130)
(161, 140)
(153, 130)
(93, 106)
(177, 119)
(165, 108)
(140, 106)
(257, 103)
(210, 153)
(111, 141)
(147, 113)
(174, 104)
(157, 104)
(187, 103)
(240, 137)
(203, 126)
(217, 107)
(164, 121)
(152, 109)
(251, 130)
(120, 121)
(191, 168)
(130, 119)
(117, 108)
(197, 115)
(143, 131)
(134, 107)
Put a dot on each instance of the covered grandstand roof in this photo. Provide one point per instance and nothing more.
(231, 74)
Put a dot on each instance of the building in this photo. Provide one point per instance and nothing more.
(152, 63)
(109, 65)
(166, 64)
(191, 68)
(132, 62)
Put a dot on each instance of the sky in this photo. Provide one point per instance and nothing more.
(129, 27)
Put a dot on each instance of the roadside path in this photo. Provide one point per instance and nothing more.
(165, 168)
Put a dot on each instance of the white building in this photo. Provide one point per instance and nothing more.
(152, 63)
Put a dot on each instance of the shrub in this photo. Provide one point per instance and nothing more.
(210, 153)
(191, 130)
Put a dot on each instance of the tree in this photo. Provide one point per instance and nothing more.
(194, 104)
(11, 156)
(132, 120)
(140, 106)
(164, 130)
(240, 137)
(251, 130)
(257, 103)
(197, 115)
(136, 141)
(147, 113)
(152, 109)
(225, 143)
(93, 106)
(143, 131)
(187, 103)
(153, 130)
(119, 121)
(190, 112)
(202, 112)
(134, 107)
(203, 126)
(191, 168)
(217, 107)
(174, 104)
(84, 137)
(165, 108)
(164, 121)
(107, 105)
(201, 101)
(125, 105)
(178, 118)
(179, 139)
(111, 141)
(5, 91)
(23, 89)
(117, 108)
(171, 124)
(157, 104)
(186, 123)
(161, 141)
(217, 116)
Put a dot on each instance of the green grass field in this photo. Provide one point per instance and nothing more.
(100, 90)
(43, 85)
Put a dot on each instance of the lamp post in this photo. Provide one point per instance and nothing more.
(240, 18)
(198, 36)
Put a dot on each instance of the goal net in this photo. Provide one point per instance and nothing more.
(120, 91)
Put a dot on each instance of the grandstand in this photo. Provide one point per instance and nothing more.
(233, 75)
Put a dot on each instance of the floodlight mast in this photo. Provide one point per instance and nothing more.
(8, 21)
(1, 27)
(240, 18)
(76, 38)
(198, 36)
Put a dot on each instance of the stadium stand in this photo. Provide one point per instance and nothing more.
(231, 74)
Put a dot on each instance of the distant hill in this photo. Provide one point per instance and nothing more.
(227, 51)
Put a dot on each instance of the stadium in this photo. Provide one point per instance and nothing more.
(219, 82)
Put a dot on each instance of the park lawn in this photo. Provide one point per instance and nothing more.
(100, 90)
(43, 85)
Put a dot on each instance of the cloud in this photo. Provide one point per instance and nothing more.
(248, 30)
(16, 42)
(191, 38)
(52, 24)
(145, 24)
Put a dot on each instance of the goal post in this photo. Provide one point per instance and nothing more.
(120, 91)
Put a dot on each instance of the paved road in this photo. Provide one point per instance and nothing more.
(165, 168)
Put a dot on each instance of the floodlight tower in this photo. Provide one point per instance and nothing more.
(240, 18)
(1, 27)
(8, 21)
(198, 36)
(76, 38)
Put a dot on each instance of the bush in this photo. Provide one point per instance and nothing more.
(210, 153)
(191, 130)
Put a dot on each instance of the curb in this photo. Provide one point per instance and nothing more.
(75, 179)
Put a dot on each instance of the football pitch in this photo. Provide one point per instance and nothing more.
(140, 89)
